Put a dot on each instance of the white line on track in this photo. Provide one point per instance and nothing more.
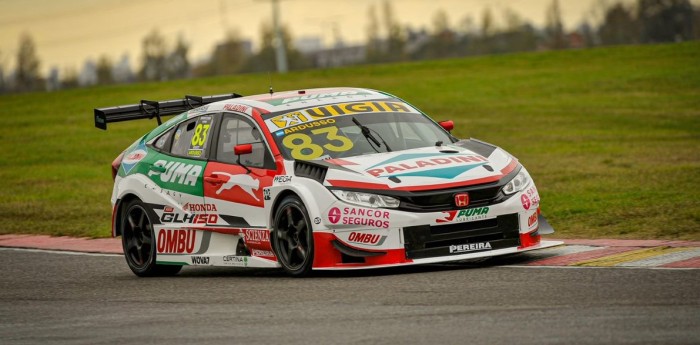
(603, 267)
(64, 252)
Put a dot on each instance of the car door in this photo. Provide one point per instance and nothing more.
(178, 171)
(236, 181)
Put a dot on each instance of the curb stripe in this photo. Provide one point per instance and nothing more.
(690, 263)
(666, 257)
(565, 260)
(626, 256)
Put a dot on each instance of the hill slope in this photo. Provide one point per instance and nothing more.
(610, 135)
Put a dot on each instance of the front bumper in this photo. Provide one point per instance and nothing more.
(356, 237)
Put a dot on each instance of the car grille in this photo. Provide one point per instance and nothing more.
(444, 200)
(427, 241)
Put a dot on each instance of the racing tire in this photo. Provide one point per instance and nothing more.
(292, 237)
(138, 242)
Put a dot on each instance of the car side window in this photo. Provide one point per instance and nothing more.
(163, 140)
(192, 137)
(236, 130)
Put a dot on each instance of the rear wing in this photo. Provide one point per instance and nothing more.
(150, 109)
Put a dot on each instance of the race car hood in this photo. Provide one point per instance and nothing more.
(468, 162)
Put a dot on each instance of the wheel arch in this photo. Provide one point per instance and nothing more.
(283, 194)
(305, 193)
(125, 199)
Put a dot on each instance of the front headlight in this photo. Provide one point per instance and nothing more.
(518, 183)
(366, 199)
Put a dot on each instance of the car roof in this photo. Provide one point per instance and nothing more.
(287, 100)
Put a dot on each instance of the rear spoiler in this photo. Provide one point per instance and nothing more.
(150, 109)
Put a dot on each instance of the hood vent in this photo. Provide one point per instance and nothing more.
(310, 170)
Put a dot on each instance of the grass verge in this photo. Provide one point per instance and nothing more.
(611, 135)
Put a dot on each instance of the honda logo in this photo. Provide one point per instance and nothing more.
(462, 199)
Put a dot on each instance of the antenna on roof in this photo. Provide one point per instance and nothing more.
(269, 75)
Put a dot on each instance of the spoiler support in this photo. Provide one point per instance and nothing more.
(150, 109)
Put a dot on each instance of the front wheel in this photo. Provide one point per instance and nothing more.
(292, 237)
(139, 244)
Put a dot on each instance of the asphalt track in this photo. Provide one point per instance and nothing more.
(56, 298)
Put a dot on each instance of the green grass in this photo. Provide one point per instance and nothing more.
(610, 135)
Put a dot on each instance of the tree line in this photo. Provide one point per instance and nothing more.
(641, 22)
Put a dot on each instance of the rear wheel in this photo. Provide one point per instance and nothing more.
(292, 237)
(138, 242)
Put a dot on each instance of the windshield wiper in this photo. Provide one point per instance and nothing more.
(367, 132)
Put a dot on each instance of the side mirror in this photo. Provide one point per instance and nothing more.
(448, 125)
(242, 149)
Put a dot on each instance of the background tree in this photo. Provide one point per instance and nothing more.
(265, 61)
(70, 78)
(229, 57)
(518, 35)
(154, 54)
(554, 27)
(395, 42)
(619, 26)
(104, 71)
(27, 74)
(374, 44)
(177, 65)
(3, 86)
(665, 20)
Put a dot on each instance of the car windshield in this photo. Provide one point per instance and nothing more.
(353, 129)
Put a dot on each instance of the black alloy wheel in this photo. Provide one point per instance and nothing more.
(138, 242)
(292, 237)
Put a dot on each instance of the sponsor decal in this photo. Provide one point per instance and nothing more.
(260, 252)
(525, 200)
(317, 220)
(359, 216)
(199, 110)
(177, 241)
(356, 107)
(327, 111)
(236, 107)
(171, 217)
(532, 220)
(309, 97)
(290, 119)
(282, 179)
(468, 215)
(199, 137)
(266, 193)
(195, 153)
(256, 236)
(368, 239)
(533, 195)
(245, 182)
(177, 172)
(334, 215)
(470, 247)
(162, 191)
(312, 124)
(200, 260)
(134, 156)
(462, 199)
(446, 166)
(198, 207)
(234, 260)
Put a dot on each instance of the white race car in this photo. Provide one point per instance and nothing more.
(319, 179)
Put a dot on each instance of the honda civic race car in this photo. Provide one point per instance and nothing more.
(320, 179)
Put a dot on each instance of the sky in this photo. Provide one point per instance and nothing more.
(67, 32)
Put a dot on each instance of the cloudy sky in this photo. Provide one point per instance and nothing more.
(67, 32)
